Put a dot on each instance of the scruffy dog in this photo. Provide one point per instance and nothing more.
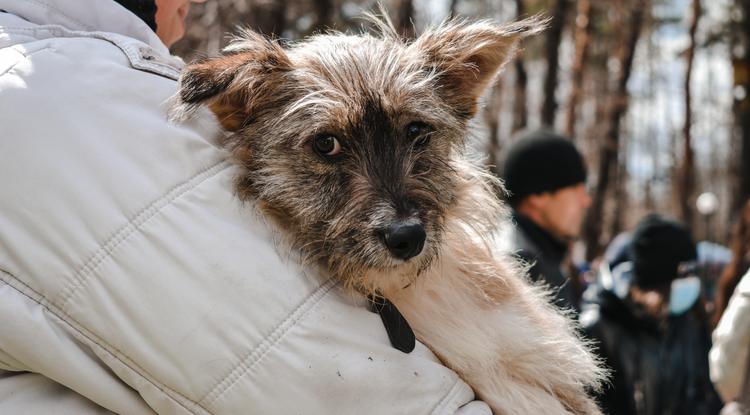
(354, 147)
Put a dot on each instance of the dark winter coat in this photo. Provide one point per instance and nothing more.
(545, 254)
(659, 367)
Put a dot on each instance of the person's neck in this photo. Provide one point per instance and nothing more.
(539, 220)
(539, 234)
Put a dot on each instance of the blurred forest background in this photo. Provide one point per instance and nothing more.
(654, 92)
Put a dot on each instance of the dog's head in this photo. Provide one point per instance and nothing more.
(351, 142)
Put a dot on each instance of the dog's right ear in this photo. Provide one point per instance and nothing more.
(467, 56)
(236, 85)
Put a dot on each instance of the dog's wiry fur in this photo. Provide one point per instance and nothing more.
(466, 299)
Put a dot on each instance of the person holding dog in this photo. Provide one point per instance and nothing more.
(132, 280)
(545, 177)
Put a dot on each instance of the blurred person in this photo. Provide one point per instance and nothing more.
(713, 259)
(648, 323)
(131, 279)
(545, 177)
(738, 265)
(729, 362)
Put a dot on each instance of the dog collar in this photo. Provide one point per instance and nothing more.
(399, 332)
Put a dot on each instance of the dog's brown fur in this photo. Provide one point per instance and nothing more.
(466, 299)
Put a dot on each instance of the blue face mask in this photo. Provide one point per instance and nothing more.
(683, 294)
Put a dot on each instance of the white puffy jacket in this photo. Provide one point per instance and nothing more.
(131, 279)
(730, 354)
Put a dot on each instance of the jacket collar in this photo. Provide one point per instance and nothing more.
(553, 249)
(86, 15)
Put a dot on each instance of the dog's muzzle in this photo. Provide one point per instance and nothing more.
(405, 239)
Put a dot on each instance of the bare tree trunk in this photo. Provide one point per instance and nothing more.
(609, 149)
(741, 65)
(582, 37)
(405, 18)
(520, 112)
(491, 115)
(324, 14)
(452, 9)
(652, 146)
(554, 39)
(620, 182)
(744, 112)
(744, 120)
(267, 17)
(209, 23)
(686, 185)
(520, 107)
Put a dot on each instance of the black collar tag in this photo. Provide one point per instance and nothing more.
(399, 332)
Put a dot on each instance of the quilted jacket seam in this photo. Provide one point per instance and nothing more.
(449, 397)
(86, 271)
(257, 353)
(88, 337)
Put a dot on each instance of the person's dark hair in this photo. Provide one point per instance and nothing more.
(145, 9)
(739, 264)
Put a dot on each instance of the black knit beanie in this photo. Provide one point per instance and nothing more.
(658, 247)
(145, 9)
(541, 162)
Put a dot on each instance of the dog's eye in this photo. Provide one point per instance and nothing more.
(418, 132)
(327, 146)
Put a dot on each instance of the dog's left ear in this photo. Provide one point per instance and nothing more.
(247, 78)
(467, 56)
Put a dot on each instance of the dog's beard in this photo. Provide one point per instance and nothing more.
(396, 274)
(366, 266)
(371, 269)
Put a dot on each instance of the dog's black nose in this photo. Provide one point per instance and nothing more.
(405, 239)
